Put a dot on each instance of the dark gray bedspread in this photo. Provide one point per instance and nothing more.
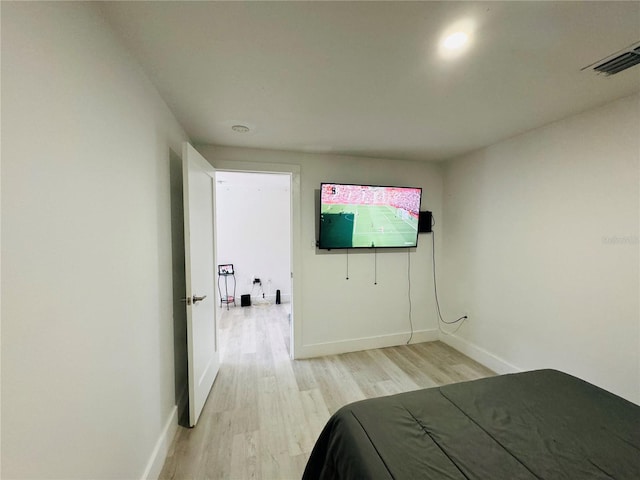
(541, 424)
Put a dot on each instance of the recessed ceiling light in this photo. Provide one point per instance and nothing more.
(455, 41)
(240, 128)
(457, 38)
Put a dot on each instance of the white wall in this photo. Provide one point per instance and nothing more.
(335, 314)
(253, 219)
(87, 339)
(541, 246)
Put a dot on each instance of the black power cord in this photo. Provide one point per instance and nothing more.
(435, 287)
(409, 293)
(375, 266)
(347, 264)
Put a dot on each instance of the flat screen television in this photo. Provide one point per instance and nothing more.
(368, 216)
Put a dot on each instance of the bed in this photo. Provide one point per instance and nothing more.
(542, 424)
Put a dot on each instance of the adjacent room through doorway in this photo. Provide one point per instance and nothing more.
(253, 235)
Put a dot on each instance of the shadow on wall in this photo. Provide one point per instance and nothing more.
(179, 289)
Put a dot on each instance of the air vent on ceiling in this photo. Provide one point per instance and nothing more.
(617, 62)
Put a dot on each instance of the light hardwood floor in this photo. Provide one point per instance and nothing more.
(265, 411)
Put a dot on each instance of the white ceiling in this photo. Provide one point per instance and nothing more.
(365, 78)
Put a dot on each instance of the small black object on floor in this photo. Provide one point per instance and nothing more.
(245, 300)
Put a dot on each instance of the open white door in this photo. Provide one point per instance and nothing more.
(202, 335)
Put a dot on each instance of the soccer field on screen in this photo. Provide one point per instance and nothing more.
(350, 226)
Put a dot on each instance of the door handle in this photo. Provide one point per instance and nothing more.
(197, 299)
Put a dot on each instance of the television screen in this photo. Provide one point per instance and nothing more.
(366, 216)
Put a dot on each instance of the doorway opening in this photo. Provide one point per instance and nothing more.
(253, 226)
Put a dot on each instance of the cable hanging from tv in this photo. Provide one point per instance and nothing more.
(375, 266)
(435, 288)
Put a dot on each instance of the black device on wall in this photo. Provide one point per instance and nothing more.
(368, 216)
(425, 222)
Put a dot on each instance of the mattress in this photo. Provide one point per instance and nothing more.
(531, 425)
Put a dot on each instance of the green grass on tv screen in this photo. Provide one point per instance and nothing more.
(354, 226)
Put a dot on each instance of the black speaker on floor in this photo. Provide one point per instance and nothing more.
(424, 222)
(245, 300)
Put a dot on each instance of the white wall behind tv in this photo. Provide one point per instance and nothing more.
(541, 239)
(253, 216)
(336, 314)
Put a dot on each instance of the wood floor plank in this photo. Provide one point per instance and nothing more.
(411, 363)
(244, 459)
(265, 411)
(271, 420)
(303, 370)
(395, 372)
(315, 411)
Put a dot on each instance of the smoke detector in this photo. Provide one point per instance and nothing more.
(618, 61)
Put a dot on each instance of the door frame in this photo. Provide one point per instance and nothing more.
(295, 241)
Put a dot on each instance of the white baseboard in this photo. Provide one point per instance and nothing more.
(159, 454)
(478, 354)
(367, 343)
